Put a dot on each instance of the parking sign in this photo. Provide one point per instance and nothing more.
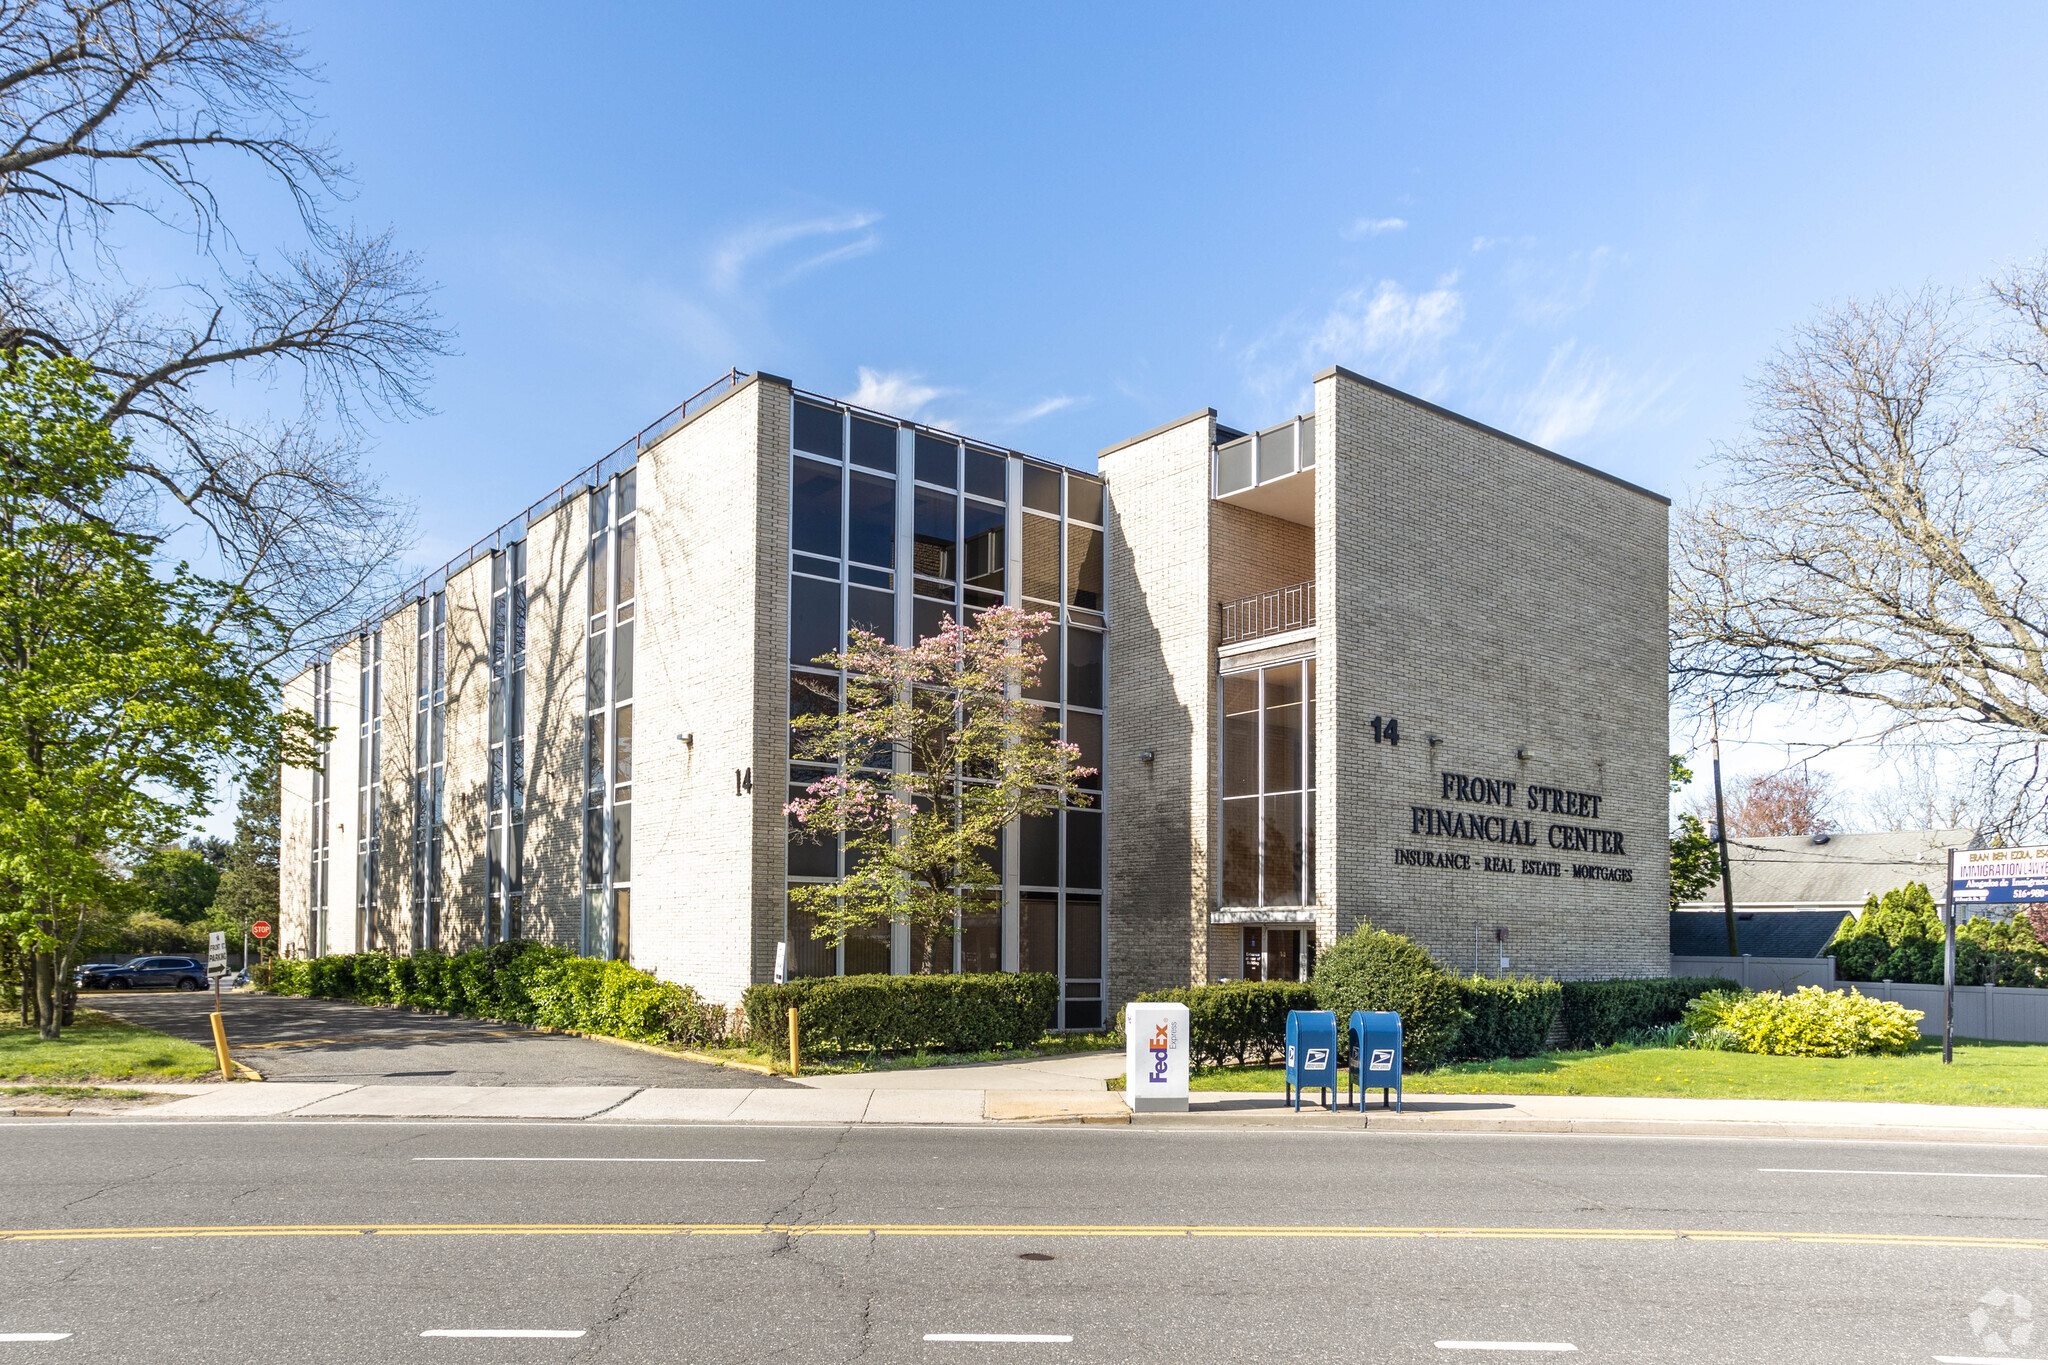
(216, 955)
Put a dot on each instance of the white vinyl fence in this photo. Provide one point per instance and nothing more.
(2005, 1014)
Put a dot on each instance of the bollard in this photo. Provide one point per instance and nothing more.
(220, 1046)
(794, 1062)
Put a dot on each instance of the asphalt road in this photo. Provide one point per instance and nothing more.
(353, 1241)
(292, 1039)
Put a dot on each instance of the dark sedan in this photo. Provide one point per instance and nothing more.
(187, 974)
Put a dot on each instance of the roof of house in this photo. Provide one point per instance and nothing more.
(1801, 871)
(1765, 933)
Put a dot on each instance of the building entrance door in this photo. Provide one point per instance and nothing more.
(1272, 954)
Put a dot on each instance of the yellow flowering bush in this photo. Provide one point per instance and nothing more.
(1812, 1022)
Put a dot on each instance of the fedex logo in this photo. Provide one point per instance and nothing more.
(1158, 1048)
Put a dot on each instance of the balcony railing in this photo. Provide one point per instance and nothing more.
(1269, 613)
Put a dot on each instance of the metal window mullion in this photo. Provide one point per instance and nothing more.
(905, 597)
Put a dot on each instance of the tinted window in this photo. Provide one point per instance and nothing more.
(982, 542)
(1084, 938)
(814, 509)
(1038, 851)
(935, 529)
(871, 520)
(1084, 499)
(1084, 848)
(874, 445)
(1084, 668)
(813, 619)
(936, 461)
(817, 430)
(1042, 488)
(1041, 558)
(1084, 729)
(925, 618)
(1047, 688)
(1084, 568)
(874, 612)
(986, 475)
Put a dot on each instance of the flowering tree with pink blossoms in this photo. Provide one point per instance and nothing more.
(935, 752)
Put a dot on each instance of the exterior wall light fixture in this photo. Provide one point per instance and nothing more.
(1146, 755)
(689, 740)
(1522, 753)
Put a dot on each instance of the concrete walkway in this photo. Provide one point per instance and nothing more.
(927, 1104)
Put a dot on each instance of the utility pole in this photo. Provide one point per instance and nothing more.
(1721, 834)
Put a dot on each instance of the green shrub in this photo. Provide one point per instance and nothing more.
(1238, 1021)
(1812, 1022)
(1505, 1017)
(966, 1013)
(1371, 969)
(520, 983)
(1602, 1013)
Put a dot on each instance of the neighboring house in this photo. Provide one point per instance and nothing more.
(1376, 662)
(1792, 891)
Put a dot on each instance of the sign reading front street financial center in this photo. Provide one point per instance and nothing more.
(1547, 821)
(2001, 876)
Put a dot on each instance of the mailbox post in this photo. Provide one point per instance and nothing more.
(1156, 1058)
(1376, 1054)
(1312, 1054)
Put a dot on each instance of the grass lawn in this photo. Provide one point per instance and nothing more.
(831, 1064)
(1983, 1073)
(101, 1048)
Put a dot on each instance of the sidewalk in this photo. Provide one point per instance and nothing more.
(928, 1104)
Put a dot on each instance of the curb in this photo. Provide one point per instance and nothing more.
(683, 1054)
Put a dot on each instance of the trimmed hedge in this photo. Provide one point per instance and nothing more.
(520, 983)
(967, 1013)
(1506, 1016)
(1370, 969)
(1238, 1021)
(1600, 1013)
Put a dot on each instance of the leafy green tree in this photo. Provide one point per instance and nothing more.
(177, 883)
(126, 683)
(976, 756)
(1695, 862)
(248, 888)
(1900, 938)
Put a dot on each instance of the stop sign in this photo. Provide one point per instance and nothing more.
(261, 928)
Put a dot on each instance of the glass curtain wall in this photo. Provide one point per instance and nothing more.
(971, 513)
(429, 770)
(323, 783)
(370, 755)
(508, 743)
(613, 576)
(1268, 775)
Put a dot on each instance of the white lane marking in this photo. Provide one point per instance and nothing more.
(715, 1161)
(993, 1336)
(33, 1336)
(495, 1332)
(1989, 1360)
(1505, 1346)
(1961, 1175)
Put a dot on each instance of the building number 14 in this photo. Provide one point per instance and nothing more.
(1386, 731)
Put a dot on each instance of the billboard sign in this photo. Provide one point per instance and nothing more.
(2000, 876)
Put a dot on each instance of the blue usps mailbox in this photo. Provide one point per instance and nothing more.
(1376, 1054)
(1311, 1054)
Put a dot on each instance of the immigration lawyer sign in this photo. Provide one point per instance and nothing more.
(2001, 876)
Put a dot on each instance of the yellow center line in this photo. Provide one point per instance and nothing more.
(1882, 1239)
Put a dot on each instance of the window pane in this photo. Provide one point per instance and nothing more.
(813, 619)
(813, 694)
(926, 618)
(594, 669)
(1042, 488)
(981, 942)
(1282, 836)
(1084, 938)
(1084, 499)
(874, 612)
(622, 747)
(810, 855)
(1241, 851)
(1047, 688)
(987, 474)
(808, 955)
(600, 574)
(629, 540)
(622, 843)
(1041, 558)
(593, 759)
(934, 556)
(1241, 754)
(814, 509)
(816, 429)
(593, 847)
(629, 491)
(1084, 729)
(622, 663)
(874, 445)
(871, 520)
(1084, 568)
(982, 542)
(622, 928)
(867, 951)
(936, 461)
(1038, 850)
(1038, 941)
(1084, 848)
(1084, 668)
(930, 954)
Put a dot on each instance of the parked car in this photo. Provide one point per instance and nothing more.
(187, 974)
(85, 969)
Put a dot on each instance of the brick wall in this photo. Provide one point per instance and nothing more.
(391, 925)
(557, 607)
(465, 851)
(294, 827)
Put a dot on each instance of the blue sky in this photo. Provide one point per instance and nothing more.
(1058, 226)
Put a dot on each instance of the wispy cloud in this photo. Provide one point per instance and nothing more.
(1489, 243)
(898, 393)
(1044, 407)
(1373, 227)
(739, 251)
(1548, 292)
(1580, 393)
(1395, 332)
